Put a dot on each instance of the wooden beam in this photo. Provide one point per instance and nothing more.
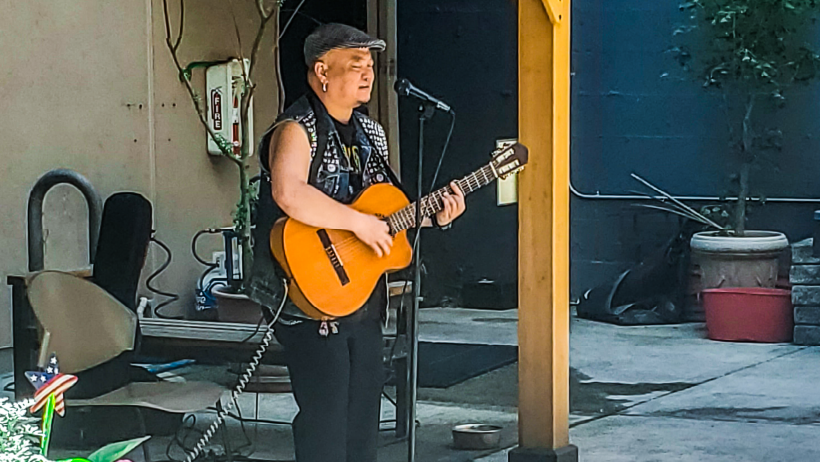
(543, 329)
(384, 104)
(556, 9)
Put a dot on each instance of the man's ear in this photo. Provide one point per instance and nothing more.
(320, 69)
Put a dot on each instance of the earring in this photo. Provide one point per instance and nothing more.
(324, 87)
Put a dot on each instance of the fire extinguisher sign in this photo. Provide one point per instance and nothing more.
(216, 108)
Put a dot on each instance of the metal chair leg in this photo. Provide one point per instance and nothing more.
(145, 453)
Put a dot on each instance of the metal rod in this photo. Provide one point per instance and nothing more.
(413, 321)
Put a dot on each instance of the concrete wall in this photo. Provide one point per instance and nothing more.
(89, 85)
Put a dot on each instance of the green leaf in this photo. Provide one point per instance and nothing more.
(115, 451)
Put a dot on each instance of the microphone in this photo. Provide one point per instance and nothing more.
(404, 88)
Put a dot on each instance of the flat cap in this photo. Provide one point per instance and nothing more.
(332, 36)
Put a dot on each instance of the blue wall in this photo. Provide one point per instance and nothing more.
(634, 109)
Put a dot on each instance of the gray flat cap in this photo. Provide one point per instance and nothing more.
(331, 36)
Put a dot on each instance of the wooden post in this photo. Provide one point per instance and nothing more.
(384, 103)
(543, 284)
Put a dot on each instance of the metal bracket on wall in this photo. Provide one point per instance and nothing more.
(555, 10)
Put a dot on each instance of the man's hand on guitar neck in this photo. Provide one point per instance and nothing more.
(453, 206)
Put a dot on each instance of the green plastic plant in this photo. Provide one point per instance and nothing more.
(752, 52)
(20, 437)
(112, 452)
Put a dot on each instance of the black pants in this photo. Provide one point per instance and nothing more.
(337, 382)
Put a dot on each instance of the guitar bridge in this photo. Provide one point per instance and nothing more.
(330, 250)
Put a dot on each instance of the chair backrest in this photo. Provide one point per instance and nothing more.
(87, 325)
(125, 231)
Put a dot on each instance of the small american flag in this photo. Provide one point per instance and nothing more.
(50, 381)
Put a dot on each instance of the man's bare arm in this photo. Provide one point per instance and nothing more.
(290, 166)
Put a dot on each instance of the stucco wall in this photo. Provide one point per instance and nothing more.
(89, 85)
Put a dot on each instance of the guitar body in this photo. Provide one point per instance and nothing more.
(331, 273)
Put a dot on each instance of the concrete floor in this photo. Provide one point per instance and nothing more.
(662, 393)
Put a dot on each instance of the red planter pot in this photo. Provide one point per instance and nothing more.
(749, 314)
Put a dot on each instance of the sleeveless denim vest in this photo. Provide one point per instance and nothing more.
(265, 285)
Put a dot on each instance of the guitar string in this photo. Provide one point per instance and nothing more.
(430, 204)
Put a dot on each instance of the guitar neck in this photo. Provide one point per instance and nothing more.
(432, 203)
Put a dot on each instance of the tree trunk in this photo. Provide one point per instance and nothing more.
(747, 157)
(243, 221)
(740, 215)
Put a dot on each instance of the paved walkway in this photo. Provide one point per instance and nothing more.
(638, 394)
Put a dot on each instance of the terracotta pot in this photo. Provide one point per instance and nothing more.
(728, 261)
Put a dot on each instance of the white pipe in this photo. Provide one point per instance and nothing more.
(599, 196)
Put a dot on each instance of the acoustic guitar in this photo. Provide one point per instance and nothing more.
(331, 273)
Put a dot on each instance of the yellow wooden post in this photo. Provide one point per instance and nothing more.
(543, 328)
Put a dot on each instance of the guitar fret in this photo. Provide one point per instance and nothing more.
(403, 215)
(433, 203)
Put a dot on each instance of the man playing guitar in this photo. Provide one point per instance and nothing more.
(318, 156)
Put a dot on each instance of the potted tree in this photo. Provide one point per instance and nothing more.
(751, 52)
(239, 153)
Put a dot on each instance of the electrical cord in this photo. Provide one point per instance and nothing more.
(193, 246)
(180, 442)
(171, 296)
(435, 175)
(209, 266)
(416, 238)
(415, 252)
(243, 382)
(443, 150)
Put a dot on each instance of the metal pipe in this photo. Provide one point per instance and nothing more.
(599, 196)
(36, 256)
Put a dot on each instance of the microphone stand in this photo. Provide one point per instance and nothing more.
(426, 111)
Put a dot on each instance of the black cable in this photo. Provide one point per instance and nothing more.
(193, 246)
(181, 442)
(256, 331)
(443, 150)
(249, 420)
(416, 238)
(438, 170)
(171, 296)
(249, 443)
(293, 15)
(257, 420)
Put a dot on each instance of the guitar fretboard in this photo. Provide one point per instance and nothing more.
(432, 203)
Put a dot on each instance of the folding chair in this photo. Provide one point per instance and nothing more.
(88, 328)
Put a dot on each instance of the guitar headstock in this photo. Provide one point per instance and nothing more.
(510, 159)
